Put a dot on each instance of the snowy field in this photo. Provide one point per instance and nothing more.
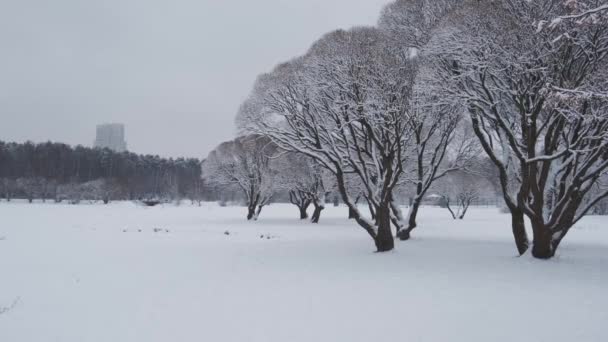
(102, 273)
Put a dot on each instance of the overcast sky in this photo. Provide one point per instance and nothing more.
(173, 71)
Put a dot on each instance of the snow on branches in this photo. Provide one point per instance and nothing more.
(537, 106)
(345, 105)
(244, 163)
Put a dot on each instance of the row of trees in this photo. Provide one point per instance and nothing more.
(261, 172)
(434, 85)
(59, 171)
(253, 170)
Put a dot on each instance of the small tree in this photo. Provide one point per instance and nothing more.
(9, 186)
(71, 192)
(304, 180)
(458, 191)
(30, 187)
(244, 163)
(196, 193)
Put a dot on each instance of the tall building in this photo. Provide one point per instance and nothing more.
(111, 136)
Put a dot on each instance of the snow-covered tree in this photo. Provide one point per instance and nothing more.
(196, 192)
(344, 105)
(601, 207)
(30, 187)
(439, 150)
(8, 187)
(304, 180)
(536, 99)
(433, 122)
(581, 13)
(458, 191)
(245, 163)
(412, 22)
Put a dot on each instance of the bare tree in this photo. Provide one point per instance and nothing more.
(304, 180)
(298, 179)
(72, 192)
(300, 199)
(600, 207)
(433, 122)
(458, 191)
(30, 187)
(344, 105)
(537, 105)
(108, 190)
(245, 163)
(196, 192)
(438, 151)
(412, 22)
(9, 187)
(582, 13)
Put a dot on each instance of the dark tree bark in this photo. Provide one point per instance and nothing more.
(257, 212)
(372, 210)
(316, 216)
(250, 213)
(303, 212)
(447, 205)
(251, 210)
(351, 213)
(542, 247)
(465, 206)
(405, 234)
(300, 200)
(518, 227)
(384, 240)
(382, 243)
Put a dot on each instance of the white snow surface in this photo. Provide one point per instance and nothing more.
(85, 273)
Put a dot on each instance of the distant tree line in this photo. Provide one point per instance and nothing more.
(60, 172)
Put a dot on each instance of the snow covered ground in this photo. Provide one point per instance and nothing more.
(102, 273)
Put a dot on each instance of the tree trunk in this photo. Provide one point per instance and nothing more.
(519, 231)
(542, 247)
(303, 212)
(405, 234)
(384, 240)
(317, 213)
(250, 212)
(257, 213)
(396, 216)
(367, 225)
(351, 213)
(465, 207)
(542, 243)
(372, 211)
(447, 205)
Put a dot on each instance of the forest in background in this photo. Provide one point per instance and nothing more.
(56, 171)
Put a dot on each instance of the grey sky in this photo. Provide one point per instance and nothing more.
(174, 71)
